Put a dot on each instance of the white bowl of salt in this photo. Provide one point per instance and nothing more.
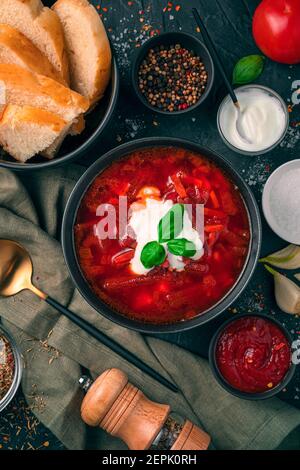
(281, 201)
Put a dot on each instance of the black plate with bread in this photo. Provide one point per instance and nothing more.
(58, 81)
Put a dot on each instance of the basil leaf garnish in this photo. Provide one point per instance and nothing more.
(182, 247)
(248, 69)
(171, 224)
(153, 254)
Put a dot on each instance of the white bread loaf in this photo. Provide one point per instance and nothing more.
(24, 88)
(26, 131)
(41, 26)
(87, 45)
(16, 49)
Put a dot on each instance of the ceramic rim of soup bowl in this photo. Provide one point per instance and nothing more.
(68, 242)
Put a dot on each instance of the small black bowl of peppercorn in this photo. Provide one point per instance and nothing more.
(173, 73)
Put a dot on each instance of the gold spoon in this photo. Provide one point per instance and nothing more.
(16, 275)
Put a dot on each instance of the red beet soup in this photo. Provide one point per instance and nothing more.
(253, 354)
(163, 283)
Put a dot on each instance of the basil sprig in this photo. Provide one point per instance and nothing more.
(153, 254)
(248, 69)
(171, 224)
(182, 247)
(169, 227)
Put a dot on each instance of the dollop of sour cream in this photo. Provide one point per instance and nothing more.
(263, 119)
(144, 220)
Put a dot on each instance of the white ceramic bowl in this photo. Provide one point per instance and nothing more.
(278, 198)
(227, 100)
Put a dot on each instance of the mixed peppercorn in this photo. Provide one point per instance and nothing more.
(172, 78)
(168, 435)
(7, 366)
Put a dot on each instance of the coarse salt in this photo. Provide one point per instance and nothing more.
(285, 204)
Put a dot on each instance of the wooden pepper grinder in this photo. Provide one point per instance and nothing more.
(123, 411)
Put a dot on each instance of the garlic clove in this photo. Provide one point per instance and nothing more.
(287, 293)
(287, 258)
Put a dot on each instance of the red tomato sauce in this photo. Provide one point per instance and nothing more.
(253, 354)
(163, 295)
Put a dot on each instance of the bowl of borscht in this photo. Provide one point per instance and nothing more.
(161, 235)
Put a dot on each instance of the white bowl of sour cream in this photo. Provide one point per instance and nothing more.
(265, 120)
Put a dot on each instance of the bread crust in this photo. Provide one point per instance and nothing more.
(45, 19)
(21, 79)
(101, 43)
(28, 114)
(29, 56)
(50, 22)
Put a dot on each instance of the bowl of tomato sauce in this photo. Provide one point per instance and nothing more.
(161, 235)
(251, 356)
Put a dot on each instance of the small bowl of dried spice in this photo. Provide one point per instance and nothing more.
(173, 73)
(10, 368)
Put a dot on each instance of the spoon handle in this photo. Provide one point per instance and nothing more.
(211, 47)
(110, 343)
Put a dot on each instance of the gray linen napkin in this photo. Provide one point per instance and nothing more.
(55, 350)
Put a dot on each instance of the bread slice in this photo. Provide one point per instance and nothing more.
(41, 26)
(25, 88)
(87, 45)
(74, 128)
(78, 125)
(51, 151)
(26, 131)
(16, 49)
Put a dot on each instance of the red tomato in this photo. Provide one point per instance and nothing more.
(276, 30)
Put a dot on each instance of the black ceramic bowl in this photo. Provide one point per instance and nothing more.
(74, 147)
(229, 388)
(69, 246)
(188, 41)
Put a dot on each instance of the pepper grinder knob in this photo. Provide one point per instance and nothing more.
(122, 410)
